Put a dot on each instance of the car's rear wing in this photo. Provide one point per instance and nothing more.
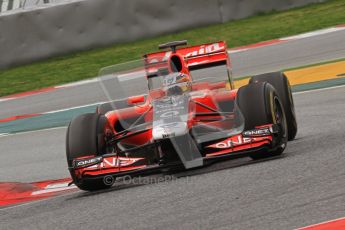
(194, 57)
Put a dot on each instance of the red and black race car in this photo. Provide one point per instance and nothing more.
(190, 115)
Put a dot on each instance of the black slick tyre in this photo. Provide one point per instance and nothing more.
(85, 137)
(281, 84)
(260, 105)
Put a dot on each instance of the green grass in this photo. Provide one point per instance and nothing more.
(82, 65)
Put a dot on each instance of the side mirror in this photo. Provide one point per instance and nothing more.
(136, 99)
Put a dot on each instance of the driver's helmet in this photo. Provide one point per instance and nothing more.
(176, 83)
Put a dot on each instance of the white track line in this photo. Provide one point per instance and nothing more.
(6, 99)
(232, 51)
(76, 107)
(50, 190)
(318, 90)
(313, 34)
(92, 80)
(33, 131)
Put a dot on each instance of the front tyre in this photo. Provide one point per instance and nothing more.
(281, 84)
(85, 137)
(261, 105)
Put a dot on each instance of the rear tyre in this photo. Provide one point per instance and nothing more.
(85, 137)
(281, 83)
(260, 105)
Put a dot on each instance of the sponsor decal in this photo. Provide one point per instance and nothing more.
(86, 162)
(164, 108)
(168, 104)
(119, 161)
(166, 131)
(171, 107)
(232, 142)
(168, 135)
(169, 114)
(239, 140)
(257, 132)
(169, 130)
(188, 52)
(206, 49)
(168, 126)
(111, 162)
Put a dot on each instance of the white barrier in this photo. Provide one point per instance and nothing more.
(35, 34)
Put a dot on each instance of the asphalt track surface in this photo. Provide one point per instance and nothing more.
(303, 187)
(275, 57)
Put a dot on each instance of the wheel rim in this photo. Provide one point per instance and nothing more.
(280, 117)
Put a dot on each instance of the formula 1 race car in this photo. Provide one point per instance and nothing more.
(185, 113)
